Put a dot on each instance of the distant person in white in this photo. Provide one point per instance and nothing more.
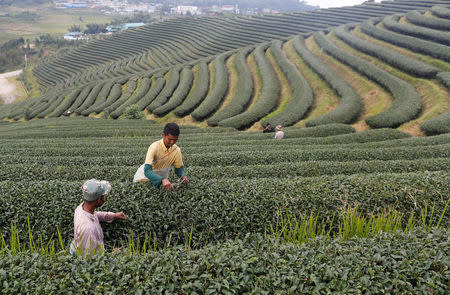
(279, 134)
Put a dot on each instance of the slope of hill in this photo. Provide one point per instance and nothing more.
(157, 67)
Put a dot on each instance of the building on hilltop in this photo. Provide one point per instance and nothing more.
(74, 36)
(116, 28)
(185, 10)
(230, 8)
(77, 5)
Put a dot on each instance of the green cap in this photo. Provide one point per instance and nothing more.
(94, 189)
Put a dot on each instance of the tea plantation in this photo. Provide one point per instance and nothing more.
(354, 199)
(231, 229)
(377, 65)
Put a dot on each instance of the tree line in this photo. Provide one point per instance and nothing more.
(13, 52)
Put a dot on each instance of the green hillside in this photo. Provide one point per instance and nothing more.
(179, 70)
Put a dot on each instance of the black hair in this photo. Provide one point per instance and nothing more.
(172, 129)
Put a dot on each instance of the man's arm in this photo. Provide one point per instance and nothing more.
(155, 179)
(182, 174)
(109, 216)
(180, 171)
(179, 167)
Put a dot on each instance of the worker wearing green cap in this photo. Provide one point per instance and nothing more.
(88, 234)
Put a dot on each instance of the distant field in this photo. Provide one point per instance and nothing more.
(32, 22)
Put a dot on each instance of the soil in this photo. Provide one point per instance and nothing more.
(8, 91)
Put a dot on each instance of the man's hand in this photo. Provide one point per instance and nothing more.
(166, 184)
(120, 215)
(185, 179)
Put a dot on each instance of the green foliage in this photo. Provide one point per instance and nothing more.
(90, 99)
(214, 99)
(131, 85)
(432, 22)
(440, 11)
(244, 90)
(179, 94)
(12, 54)
(100, 101)
(94, 28)
(208, 236)
(151, 51)
(114, 94)
(81, 97)
(407, 102)
(444, 77)
(133, 112)
(65, 105)
(268, 99)
(404, 63)
(75, 28)
(391, 22)
(404, 263)
(135, 18)
(415, 44)
(173, 80)
(437, 125)
(198, 92)
(235, 213)
(348, 225)
(26, 113)
(157, 86)
(143, 89)
(350, 103)
(244, 184)
(301, 99)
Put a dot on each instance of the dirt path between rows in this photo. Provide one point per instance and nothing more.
(8, 92)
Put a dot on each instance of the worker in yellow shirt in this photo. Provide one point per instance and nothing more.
(161, 155)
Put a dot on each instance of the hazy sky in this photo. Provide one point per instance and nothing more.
(334, 3)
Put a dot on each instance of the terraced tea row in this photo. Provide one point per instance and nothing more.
(294, 174)
(404, 262)
(202, 97)
(70, 172)
(225, 142)
(219, 208)
(212, 34)
(243, 183)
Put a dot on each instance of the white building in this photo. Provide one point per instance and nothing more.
(74, 36)
(230, 8)
(184, 10)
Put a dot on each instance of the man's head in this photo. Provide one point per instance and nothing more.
(170, 134)
(94, 191)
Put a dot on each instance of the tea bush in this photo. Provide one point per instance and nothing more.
(215, 234)
(219, 208)
(400, 263)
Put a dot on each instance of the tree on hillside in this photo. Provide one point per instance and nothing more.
(11, 44)
(135, 18)
(75, 28)
(12, 54)
(95, 28)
